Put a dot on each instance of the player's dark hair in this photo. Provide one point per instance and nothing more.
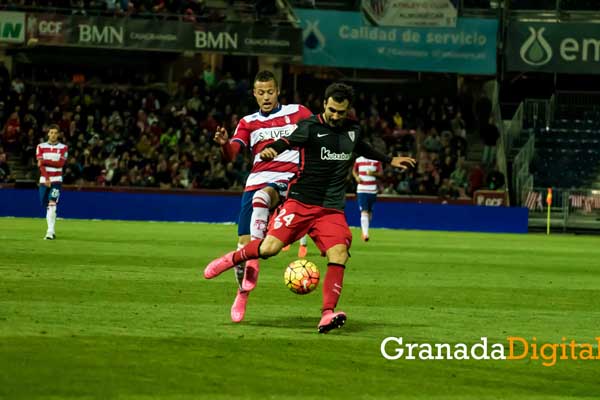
(266, 76)
(339, 92)
(54, 126)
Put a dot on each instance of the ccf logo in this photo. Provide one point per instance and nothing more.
(50, 27)
(489, 201)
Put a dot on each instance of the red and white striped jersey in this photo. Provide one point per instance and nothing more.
(256, 131)
(50, 152)
(367, 183)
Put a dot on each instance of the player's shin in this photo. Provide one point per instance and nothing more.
(238, 269)
(302, 250)
(304, 240)
(219, 265)
(364, 224)
(51, 217)
(261, 202)
(249, 252)
(332, 287)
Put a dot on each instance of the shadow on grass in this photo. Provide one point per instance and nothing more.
(310, 323)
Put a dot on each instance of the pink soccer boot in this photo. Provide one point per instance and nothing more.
(331, 320)
(238, 309)
(250, 275)
(218, 266)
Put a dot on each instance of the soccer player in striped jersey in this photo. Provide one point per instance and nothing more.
(365, 173)
(268, 180)
(51, 157)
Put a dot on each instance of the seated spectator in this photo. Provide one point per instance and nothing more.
(163, 175)
(11, 132)
(489, 135)
(5, 175)
(458, 146)
(73, 169)
(495, 179)
(144, 147)
(389, 189)
(407, 183)
(432, 141)
(447, 190)
(92, 168)
(476, 179)
(447, 167)
(398, 121)
(169, 139)
(110, 165)
(459, 176)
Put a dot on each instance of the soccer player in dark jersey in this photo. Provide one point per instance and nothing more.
(316, 198)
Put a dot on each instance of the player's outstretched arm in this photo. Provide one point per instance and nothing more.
(403, 162)
(229, 149)
(221, 136)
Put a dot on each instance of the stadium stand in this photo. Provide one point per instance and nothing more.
(139, 134)
(566, 153)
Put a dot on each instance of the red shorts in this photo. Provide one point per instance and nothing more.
(327, 227)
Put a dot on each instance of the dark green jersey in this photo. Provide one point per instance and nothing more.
(326, 156)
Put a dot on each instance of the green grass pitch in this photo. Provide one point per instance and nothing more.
(119, 310)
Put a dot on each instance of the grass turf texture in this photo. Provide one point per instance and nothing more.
(119, 310)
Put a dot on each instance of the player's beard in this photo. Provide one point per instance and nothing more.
(335, 122)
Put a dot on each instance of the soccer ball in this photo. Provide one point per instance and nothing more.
(301, 276)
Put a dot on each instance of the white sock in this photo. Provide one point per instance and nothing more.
(261, 203)
(304, 240)
(51, 218)
(364, 223)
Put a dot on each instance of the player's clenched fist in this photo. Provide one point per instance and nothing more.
(268, 154)
(221, 136)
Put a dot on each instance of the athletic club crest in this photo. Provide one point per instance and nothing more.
(287, 119)
(351, 135)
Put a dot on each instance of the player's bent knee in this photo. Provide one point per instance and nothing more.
(262, 199)
(268, 250)
(338, 260)
(338, 255)
(244, 240)
(273, 199)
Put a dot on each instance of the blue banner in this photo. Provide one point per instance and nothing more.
(344, 39)
(221, 208)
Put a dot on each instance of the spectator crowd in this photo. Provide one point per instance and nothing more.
(144, 137)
